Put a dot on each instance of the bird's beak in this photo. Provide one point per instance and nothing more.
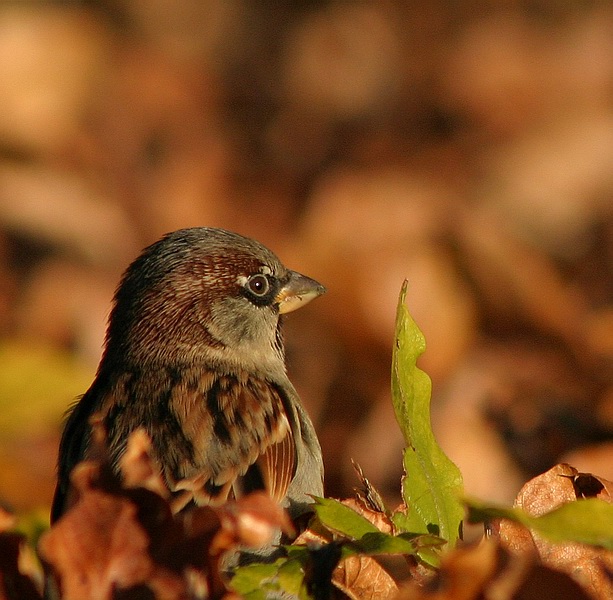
(297, 292)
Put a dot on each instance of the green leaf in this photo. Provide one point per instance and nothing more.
(383, 543)
(342, 519)
(257, 594)
(286, 575)
(432, 485)
(588, 521)
(249, 581)
(291, 578)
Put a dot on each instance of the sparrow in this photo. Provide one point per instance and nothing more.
(194, 355)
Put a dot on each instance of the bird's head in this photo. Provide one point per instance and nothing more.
(205, 295)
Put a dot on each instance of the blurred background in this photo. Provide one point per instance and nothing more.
(464, 145)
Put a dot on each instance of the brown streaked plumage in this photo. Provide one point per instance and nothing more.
(194, 355)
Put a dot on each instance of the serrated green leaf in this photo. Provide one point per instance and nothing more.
(286, 575)
(342, 519)
(383, 543)
(259, 594)
(430, 556)
(291, 577)
(432, 485)
(588, 521)
(297, 552)
(250, 578)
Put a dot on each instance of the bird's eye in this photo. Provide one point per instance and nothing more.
(258, 284)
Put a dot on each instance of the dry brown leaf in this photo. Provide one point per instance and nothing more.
(100, 545)
(588, 566)
(357, 576)
(137, 466)
(485, 570)
(545, 492)
(130, 540)
(462, 576)
(254, 520)
(363, 578)
(125, 536)
(595, 457)
(514, 537)
(378, 518)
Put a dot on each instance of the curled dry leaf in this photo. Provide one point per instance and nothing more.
(254, 520)
(357, 576)
(213, 534)
(377, 517)
(561, 484)
(138, 468)
(89, 553)
(124, 535)
(589, 566)
(462, 576)
(485, 570)
(362, 577)
(100, 544)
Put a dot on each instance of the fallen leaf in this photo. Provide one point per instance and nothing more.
(589, 566)
(363, 578)
(137, 466)
(99, 546)
(486, 570)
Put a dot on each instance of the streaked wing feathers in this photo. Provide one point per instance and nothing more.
(233, 423)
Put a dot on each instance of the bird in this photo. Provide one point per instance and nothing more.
(194, 355)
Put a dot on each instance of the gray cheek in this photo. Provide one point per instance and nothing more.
(236, 322)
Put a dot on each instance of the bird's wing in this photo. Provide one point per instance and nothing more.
(211, 435)
(277, 466)
(241, 436)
